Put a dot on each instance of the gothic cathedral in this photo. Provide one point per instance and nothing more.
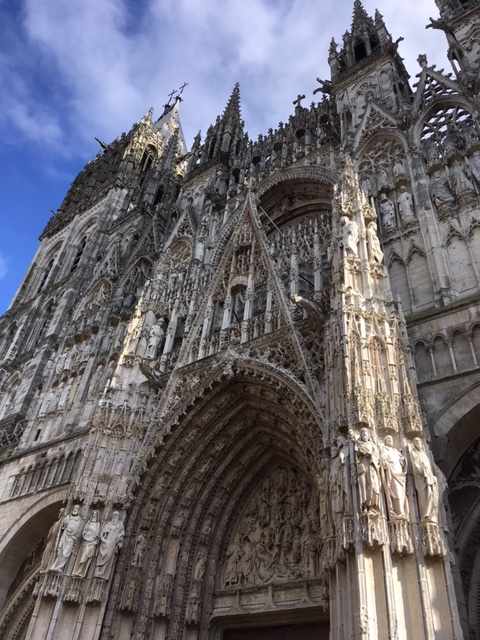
(240, 384)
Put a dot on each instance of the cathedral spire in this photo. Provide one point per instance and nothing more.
(231, 113)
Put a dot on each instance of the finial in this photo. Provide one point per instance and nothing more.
(422, 60)
(298, 101)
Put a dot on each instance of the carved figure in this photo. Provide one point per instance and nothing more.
(111, 539)
(376, 252)
(399, 169)
(461, 183)
(475, 165)
(90, 537)
(139, 550)
(440, 189)
(338, 483)
(405, 205)
(155, 337)
(71, 529)
(368, 466)
(426, 482)
(394, 465)
(387, 212)
(350, 235)
(51, 542)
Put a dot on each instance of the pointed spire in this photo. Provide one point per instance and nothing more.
(232, 110)
(360, 16)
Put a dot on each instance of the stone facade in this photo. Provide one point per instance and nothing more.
(240, 385)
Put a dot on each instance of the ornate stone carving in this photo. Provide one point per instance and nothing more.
(111, 539)
(71, 530)
(89, 541)
(277, 537)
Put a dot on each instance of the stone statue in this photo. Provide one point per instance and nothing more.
(51, 542)
(387, 212)
(155, 336)
(376, 252)
(90, 536)
(399, 169)
(426, 482)
(350, 235)
(462, 185)
(405, 205)
(383, 180)
(394, 465)
(368, 465)
(139, 550)
(111, 539)
(440, 191)
(338, 484)
(200, 566)
(71, 530)
(475, 165)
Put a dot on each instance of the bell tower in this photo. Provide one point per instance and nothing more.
(366, 68)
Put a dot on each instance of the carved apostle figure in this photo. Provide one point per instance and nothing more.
(376, 252)
(462, 185)
(139, 550)
(111, 539)
(399, 168)
(155, 337)
(90, 536)
(475, 165)
(52, 541)
(394, 466)
(426, 482)
(71, 530)
(387, 212)
(368, 465)
(405, 205)
(350, 235)
(338, 483)
(440, 189)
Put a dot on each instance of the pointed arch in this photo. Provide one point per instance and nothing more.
(419, 277)
(230, 443)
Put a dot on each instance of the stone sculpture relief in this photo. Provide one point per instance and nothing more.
(89, 541)
(394, 466)
(111, 539)
(368, 470)
(426, 483)
(277, 538)
(71, 531)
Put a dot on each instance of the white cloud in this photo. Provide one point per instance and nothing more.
(114, 58)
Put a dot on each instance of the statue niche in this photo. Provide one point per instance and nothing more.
(277, 536)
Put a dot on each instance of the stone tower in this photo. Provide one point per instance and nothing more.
(240, 385)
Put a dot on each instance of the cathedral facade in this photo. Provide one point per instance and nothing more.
(240, 384)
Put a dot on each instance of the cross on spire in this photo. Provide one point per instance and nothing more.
(298, 101)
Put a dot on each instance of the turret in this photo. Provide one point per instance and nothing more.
(460, 21)
(367, 69)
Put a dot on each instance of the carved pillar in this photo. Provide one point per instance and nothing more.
(390, 575)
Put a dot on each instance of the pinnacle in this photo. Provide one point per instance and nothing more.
(360, 15)
(232, 109)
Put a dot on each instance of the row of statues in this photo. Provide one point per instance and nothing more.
(387, 465)
(71, 532)
(406, 210)
(350, 239)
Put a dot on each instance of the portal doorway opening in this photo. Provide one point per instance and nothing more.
(305, 631)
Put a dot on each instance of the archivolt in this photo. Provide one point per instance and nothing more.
(194, 487)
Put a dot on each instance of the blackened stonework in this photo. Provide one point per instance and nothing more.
(240, 384)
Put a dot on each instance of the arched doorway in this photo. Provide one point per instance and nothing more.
(463, 459)
(229, 513)
(21, 549)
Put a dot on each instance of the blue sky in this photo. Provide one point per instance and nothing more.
(74, 69)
